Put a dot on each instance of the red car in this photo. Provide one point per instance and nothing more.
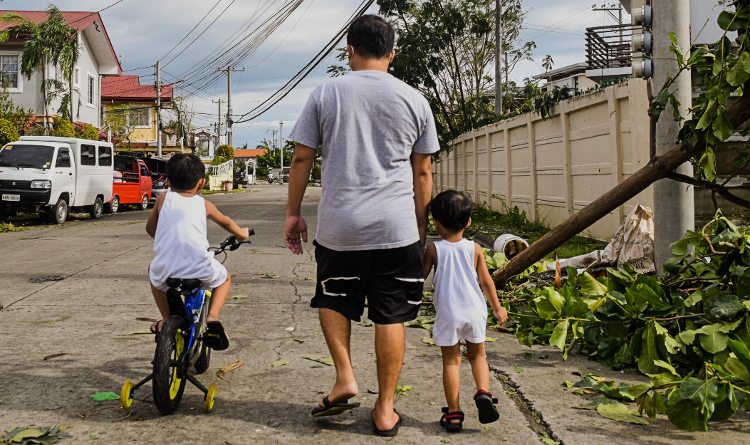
(131, 183)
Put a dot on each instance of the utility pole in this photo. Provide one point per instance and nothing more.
(281, 144)
(158, 108)
(674, 204)
(610, 10)
(498, 49)
(218, 123)
(229, 70)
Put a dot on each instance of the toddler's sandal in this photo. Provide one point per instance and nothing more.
(453, 422)
(215, 338)
(486, 406)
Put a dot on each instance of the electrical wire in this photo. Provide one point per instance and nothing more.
(199, 35)
(282, 92)
(97, 12)
(191, 31)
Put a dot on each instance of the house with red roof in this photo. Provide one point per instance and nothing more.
(97, 58)
(130, 110)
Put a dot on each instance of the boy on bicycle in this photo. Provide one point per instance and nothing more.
(178, 225)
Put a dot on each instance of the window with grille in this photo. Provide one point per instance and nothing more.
(139, 117)
(9, 70)
(92, 89)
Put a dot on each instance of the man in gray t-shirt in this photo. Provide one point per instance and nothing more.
(377, 135)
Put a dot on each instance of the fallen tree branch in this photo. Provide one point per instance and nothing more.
(718, 188)
(658, 168)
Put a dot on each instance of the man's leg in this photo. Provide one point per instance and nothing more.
(337, 330)
(389, 352)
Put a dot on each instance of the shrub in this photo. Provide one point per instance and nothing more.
(8, 132)
(90, 132)
(63, 128)
(225, 151)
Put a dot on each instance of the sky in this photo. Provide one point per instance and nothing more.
(144, 31)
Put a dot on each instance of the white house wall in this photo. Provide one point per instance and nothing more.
(30, 96)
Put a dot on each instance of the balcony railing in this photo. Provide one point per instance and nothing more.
(609, 46)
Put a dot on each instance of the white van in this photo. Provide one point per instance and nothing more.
(54, 174)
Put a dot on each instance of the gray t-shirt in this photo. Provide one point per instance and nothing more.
(368, 123)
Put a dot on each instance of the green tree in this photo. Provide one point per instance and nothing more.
(446, 50)
(48, 42)
(8, 131)
(19, 117)
(116, 120)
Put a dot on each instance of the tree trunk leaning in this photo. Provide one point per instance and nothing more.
(658, 168)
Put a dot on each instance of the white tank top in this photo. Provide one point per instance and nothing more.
(180, 244)
(458, 296)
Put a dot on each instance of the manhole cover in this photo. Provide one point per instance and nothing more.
(46, 278)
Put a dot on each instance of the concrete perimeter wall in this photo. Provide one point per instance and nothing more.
(550, 168)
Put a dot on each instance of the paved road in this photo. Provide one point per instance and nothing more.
(90, 317)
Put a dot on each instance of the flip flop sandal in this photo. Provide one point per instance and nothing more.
(332, 408)
(386, 433)
(155, 328)
(486, 406)
(448, 421)
(215, 338)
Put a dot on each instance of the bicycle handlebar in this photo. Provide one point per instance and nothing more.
(232, 243)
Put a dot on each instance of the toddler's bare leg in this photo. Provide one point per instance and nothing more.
(479, 366)
(160, 297)
(452, 376)
(218, 298)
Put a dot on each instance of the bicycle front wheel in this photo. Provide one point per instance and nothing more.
(169, 365)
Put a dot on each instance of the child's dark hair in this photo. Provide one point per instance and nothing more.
(371, 36)
(184, 171)
(452, 209)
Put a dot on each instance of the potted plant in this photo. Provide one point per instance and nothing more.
(228, 185)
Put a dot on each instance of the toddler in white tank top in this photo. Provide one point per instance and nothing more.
(178, 225)
(461, 276)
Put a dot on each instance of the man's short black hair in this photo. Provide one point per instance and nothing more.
(184, 171)
(371, 36)
(452, 209)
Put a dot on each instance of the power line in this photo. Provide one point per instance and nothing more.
(191, 31)
(282, 92)
(97, 12)
(202, 32)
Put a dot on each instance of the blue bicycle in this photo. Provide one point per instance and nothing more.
(180, 350)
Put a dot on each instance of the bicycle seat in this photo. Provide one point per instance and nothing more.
(186, 285)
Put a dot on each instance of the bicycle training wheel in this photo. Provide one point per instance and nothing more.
(169, 379)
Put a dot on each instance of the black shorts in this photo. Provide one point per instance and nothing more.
(391, 280)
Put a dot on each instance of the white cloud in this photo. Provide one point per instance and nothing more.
(144, 30)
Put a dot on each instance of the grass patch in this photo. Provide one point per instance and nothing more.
(516, 222)
(223, 192)
(8, 227)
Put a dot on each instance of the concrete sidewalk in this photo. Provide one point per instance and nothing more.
(90, 317)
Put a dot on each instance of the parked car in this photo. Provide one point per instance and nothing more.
(131, 183)
(54, 175)
(158, 168)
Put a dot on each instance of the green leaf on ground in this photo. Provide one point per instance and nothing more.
(546, 440)
(559, 334)
(104, 396)
(621, 413)
(518, 369)
(327, 360)
(403, 389)
(34, 435)
(428, 341)
(279, 363)
(490, 339)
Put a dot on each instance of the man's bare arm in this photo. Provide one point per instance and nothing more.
(421, 165)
